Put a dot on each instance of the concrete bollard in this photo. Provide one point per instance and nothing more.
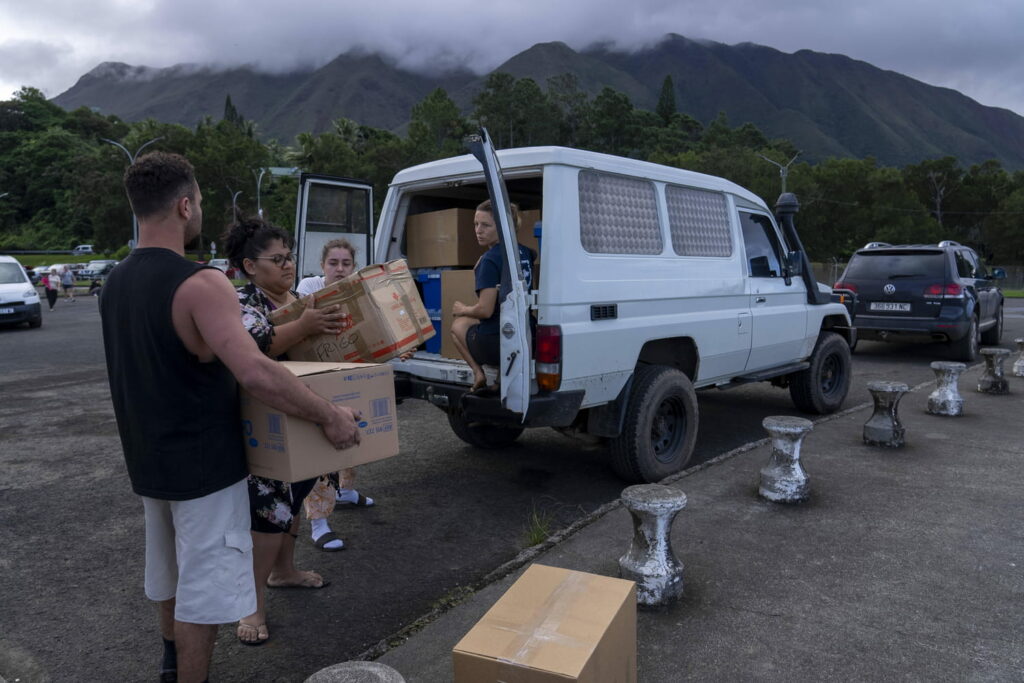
(884, 428)
(945, 400)
(783, 480)
(356, 672)
(650, 562)
(993, 380)
(1018, 365)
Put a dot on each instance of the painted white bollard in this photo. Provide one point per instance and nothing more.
(993, 379)
(946, 400)
(1018, 365)
(650, 562)
(356, 672)
(783, 479)
(884, 428)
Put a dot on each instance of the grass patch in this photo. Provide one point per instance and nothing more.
(539, 526)
(1013, 293)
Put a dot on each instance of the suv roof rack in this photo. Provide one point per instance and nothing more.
(949, 243)
(876, 245)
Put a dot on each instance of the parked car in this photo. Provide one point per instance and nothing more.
(652, 282)
(37, 273)
(82, 249)
(220, 264)
(19, 300)
(97, 269)
(926, 292)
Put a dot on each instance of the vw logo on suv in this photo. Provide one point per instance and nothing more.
(889, 289)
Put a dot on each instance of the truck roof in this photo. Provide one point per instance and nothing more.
(537, 157)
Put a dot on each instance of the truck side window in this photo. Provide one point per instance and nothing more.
(762, 245)
(618, 215)
(698, 221)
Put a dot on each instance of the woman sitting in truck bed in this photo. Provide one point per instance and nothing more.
(475, 328)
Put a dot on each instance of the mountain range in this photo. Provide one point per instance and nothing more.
(829, 105)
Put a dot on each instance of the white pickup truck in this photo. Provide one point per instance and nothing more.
(653, 282)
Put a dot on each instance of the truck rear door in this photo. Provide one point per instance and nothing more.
(330, 208)
(515, 328)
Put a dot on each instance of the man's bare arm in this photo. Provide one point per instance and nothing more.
(208, 302)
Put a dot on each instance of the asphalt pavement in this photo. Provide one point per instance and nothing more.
(904, 564)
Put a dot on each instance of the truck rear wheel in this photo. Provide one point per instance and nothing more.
(660, 430)
(822, 388)
(482, 435)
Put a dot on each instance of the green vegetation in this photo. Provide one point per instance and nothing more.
(1013, 293)
(63, 181)
(539, 526)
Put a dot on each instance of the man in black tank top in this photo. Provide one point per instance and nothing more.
(176, 352)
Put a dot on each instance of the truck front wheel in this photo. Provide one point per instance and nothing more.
(481, 435)
(822, 388)
(660, 429)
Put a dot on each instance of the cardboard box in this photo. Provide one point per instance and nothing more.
(456, 285)
(384, 317)
(554, 625)
(442, 238)
(287, 448)
(525, 236)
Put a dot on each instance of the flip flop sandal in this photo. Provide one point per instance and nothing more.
(322, 542)
(253, 643)
(325, 584)
(361, 502)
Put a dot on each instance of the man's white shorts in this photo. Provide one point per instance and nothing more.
(200, 552)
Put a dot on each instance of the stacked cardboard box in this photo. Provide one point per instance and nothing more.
(384, 317)
(287, 448)
(442, 238)
(456, 285)
(554, 625)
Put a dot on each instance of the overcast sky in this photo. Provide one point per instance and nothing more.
(973, 47)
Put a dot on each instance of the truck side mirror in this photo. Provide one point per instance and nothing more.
(795, 263)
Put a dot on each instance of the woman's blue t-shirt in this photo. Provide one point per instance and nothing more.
(488, 274)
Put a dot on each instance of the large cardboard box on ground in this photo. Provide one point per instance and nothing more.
(279, 446)
(554, 625)
(456, 285)
(442, 238)
(384, 317)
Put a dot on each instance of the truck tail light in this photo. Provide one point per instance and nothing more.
(951, 290)
(549, 357)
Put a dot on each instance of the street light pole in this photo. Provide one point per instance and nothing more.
(131, 160)
(234, 203)
(783, 170)
(259, 181)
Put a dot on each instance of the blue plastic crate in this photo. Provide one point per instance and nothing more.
(429, 280)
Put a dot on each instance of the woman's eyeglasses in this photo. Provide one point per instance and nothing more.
(279, 259)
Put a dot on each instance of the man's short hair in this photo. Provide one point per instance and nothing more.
(156, 181)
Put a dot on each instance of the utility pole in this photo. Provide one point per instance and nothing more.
(131, 160)
(783, 170)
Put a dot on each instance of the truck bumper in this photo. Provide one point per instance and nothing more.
(557, 409)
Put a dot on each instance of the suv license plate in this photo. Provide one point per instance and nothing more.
(6, 311)
(889, 306)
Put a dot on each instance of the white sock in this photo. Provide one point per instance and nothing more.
(320, 527)
(351, 496)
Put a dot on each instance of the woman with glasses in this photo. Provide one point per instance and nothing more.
(263, 253)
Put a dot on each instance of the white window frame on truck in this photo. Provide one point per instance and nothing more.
(307, 247)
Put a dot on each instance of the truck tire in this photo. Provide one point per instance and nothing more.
(966, 348)
(482, 435)
(822, 388)
(993, 335)
(660, 429)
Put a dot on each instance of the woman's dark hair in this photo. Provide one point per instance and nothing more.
(247, 238)
(487, 207)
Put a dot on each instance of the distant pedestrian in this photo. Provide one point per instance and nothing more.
(67, 281)
(94, 288)
(52, 283)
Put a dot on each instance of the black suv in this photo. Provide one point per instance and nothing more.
(921, 292)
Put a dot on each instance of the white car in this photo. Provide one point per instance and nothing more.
(19, 300)
(221, 264)
(653, 282)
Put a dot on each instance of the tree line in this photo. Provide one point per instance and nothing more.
(63, 180)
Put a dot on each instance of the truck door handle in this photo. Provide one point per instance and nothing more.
(760, 300)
